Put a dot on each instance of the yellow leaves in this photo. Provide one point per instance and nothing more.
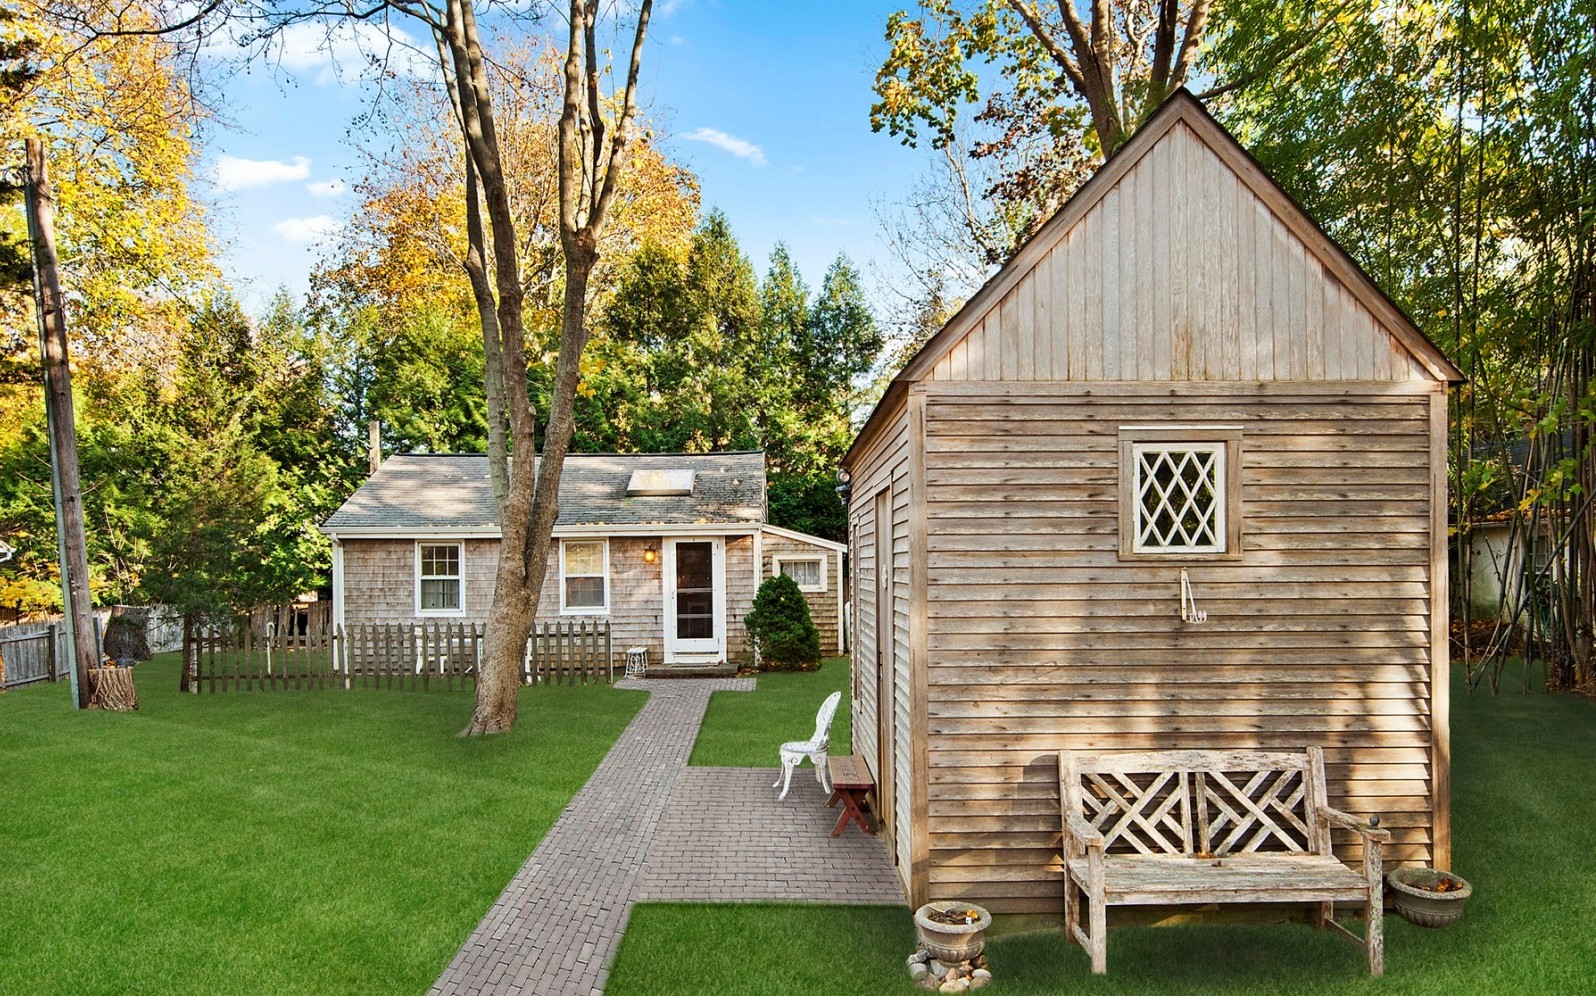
(118, 121)
(405, 243)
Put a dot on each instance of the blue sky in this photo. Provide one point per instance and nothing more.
(768, 103)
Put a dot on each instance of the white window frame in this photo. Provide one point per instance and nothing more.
(777, 560)
(1222, 441)
(459, 579)
(586, 610)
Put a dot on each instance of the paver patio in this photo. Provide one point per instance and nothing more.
(645, 826)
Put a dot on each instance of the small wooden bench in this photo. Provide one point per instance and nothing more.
(1194, 827)
(851, 783)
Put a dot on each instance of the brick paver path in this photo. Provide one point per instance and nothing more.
(724, 838)
(557, 925)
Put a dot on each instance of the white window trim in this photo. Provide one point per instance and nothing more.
(582, 610)
(776, 560)
(1226, 440)
(1217, 449)
(459, 610)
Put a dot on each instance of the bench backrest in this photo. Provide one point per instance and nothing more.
(1198, 802)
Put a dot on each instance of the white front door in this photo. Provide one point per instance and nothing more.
(695, 600)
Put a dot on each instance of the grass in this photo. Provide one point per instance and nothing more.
(743, 729)
(1523, 835)
(282, 842)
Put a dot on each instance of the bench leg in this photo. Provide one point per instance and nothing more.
(1374, 931)
(1326, 916)
(1099, 933)
(1072, 908)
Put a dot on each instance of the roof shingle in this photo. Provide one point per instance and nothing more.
(412, 491)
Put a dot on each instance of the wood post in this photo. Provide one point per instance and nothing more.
(74, 561)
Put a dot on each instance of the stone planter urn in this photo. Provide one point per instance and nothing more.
(1427, 897)
(952, 931)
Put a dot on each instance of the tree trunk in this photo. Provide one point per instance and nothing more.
(73, 553)
(189, 679)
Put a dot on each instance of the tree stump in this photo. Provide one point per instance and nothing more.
(112, 688)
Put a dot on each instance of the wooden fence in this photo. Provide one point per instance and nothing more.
(426, 656)
(28, 659)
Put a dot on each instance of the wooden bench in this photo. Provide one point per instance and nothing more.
(1193, 827)
(852, 785)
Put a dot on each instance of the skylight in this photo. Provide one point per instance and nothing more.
(646, 483)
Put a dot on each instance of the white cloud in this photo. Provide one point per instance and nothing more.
(306, 230)
(326, 188)
(233, 173)
(741, 148)
(348, 50)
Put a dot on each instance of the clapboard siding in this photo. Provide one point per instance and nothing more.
(902, 685)
(379, 587)
(1041, 636)
(1242, 299)
(883, 470)
(822, 604)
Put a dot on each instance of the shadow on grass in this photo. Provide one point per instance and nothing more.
(1523, 833)
(743, 729)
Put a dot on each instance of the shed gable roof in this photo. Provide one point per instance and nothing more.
(420, 492)
(1180, 259)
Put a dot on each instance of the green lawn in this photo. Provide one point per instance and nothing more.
(1524, 832)
(282, 842)
(743, 729)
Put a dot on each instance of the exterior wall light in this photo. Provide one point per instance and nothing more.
(650, 554)
(844, 486)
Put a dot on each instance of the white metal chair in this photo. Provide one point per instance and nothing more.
(815, 748)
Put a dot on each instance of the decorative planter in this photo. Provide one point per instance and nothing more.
(1427, 897)
(952, 942)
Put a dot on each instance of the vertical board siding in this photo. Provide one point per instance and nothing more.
(1041, 637)
(1180, 272)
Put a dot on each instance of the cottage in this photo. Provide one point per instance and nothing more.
(1174, 478)
(668, 548)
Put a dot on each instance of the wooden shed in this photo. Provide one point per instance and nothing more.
(1179, 375)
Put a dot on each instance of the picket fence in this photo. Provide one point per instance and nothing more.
(428, 656)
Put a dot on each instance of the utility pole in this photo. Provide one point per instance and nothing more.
(81, 644)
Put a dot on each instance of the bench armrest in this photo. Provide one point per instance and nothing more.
(1346, 821)
(1084, 835)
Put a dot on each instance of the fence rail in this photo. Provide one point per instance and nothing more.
(428, 656)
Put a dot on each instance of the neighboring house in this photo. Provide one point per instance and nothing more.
(667, 547)
(1179, 376)
(1497, 547)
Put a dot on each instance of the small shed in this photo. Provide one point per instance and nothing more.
(1180, 397)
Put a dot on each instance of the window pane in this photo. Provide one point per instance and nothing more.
(1179, 504)
(584, 559)
(440, 561)
(584, 593)
(440, 594)
(805, 572)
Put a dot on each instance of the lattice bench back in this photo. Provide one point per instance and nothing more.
(1198, 802)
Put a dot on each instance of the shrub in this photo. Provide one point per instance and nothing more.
(784, 636)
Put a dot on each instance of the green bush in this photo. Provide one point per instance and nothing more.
(784, 636)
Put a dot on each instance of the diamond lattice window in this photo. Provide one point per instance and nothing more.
(1180, 498)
